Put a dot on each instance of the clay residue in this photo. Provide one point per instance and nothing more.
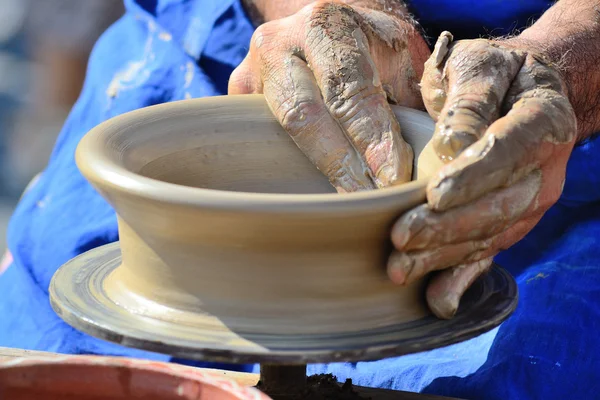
(351, 84)
(505, 128)
(189, 74)
(328, 82)
(322, 387)
(136, 72)
(507, 106)
(477, 77)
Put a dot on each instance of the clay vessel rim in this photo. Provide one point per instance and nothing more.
(94, 162)
(32, 368)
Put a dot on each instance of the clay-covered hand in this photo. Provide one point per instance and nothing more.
(327, 73)
(505, 128)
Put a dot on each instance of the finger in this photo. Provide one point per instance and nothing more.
(477, 76)
(433, 87)
(447, 287)
(540, 123)
(246, 78)
(405, 268)
(423, 228)
(294, 98)
(242, 79)
(338, 53)
(400, 51)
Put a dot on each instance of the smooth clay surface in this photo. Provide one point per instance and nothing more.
(225, 224)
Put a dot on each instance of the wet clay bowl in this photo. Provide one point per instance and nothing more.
(220, 212)
(234, 247)
(100, 378)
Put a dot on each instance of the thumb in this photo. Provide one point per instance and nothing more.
(448, 286)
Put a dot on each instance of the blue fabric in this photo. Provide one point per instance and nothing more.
(150, 56)
(165, 50)
(470, 18)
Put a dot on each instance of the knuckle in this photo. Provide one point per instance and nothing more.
(480, 249)
(326, 6)
(240, 81)
(295, 113)
(433, 98)
(258, 35)
(346, 101)
(448, 144)
(262, 37)
(339, 170)
(330, 19)
(310, 8)
(478, 107)
(266, 48)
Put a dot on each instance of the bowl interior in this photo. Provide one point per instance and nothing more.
(229, 143)
(253, 159)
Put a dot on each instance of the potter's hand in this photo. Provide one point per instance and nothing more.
(327, 73)
(505, 129)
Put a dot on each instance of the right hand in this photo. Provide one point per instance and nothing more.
(328, 74)
(506, 129)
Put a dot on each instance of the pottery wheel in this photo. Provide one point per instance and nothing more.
(77, 295)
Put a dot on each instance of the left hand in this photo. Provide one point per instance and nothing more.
(505, 128)
(328, 73)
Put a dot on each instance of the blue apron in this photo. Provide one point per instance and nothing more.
(547, 349)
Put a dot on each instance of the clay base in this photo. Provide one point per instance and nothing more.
(320, 387)
(77, 294)
(291, 383)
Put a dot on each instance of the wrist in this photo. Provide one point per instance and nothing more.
(376, 14)
(261, 11)
(572, 47)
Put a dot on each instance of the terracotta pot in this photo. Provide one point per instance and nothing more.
(100, 378)
(221, 215)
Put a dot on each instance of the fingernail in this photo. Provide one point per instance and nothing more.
(400, 235)
(408, 224)
(441, 47)
(452, 301)
(445, 307)
(399, 267)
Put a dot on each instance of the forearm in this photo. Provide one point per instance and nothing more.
(262, 11)
(568, 34)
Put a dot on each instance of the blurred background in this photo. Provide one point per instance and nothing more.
(44, 48)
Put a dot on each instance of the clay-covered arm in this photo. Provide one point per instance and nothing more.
(568, 34)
